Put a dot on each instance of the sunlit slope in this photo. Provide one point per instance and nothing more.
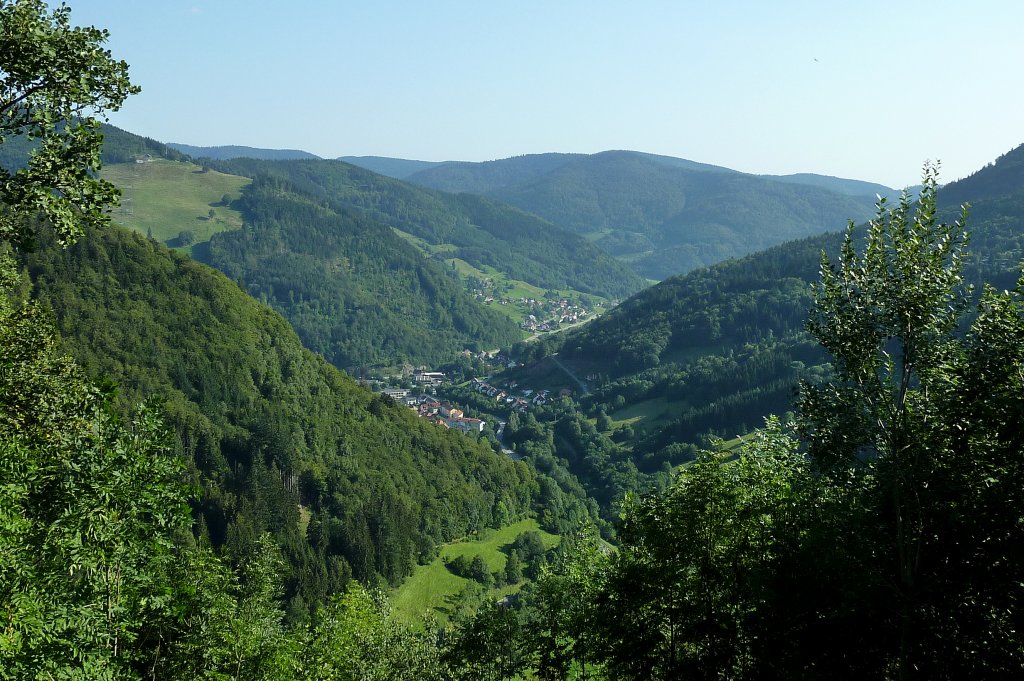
(180, 204)
(662, 216)
(717, 349)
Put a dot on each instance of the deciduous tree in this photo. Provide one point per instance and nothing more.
(916, 422)
(55, 79)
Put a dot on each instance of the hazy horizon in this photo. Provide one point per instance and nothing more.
(867, 92)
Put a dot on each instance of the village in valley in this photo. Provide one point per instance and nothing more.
(544, 315)
(428, 392)
(423, 398)
(538, 312)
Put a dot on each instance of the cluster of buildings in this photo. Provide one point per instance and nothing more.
(544, 315)
(432, 378)
(422, 378)
(443, 414)
(517, 400)
(554, 313)
(447, 416)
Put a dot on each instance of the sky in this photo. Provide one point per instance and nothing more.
(866, 90)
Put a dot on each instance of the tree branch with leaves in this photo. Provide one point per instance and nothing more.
(55, 80)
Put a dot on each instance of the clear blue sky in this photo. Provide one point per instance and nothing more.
(867, 90)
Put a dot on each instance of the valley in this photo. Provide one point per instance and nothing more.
(267, 414)
(591, 399)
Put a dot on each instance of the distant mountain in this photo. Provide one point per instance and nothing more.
(398, 168)
(674, 162)
(221, 153)
(489, 176)
(838, 184)
(717, 349)
(661, 215)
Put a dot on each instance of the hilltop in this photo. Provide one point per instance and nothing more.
(235, 151)
(662, 215)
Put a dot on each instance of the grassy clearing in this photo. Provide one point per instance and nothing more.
(432, 588)
(732, 446)
(730, 449)
(647, 415)
(597, 235)
(166, 198)
(423, 245)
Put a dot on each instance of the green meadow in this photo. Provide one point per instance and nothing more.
(647, 415)
(166, 198)
(432, 589)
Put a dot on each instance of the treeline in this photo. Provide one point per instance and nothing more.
(121, 146)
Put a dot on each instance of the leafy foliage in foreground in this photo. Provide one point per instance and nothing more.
(51, 73)
(883, 542)
(89, 508)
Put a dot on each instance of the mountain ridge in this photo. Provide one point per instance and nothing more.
(225, 152)
(719, 348)
(660, 214)
(483, 232)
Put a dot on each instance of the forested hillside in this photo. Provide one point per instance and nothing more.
(298, 480)
(353, 290)
(348, 483)
(716, 350)
(476, 230)
(663, 216)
